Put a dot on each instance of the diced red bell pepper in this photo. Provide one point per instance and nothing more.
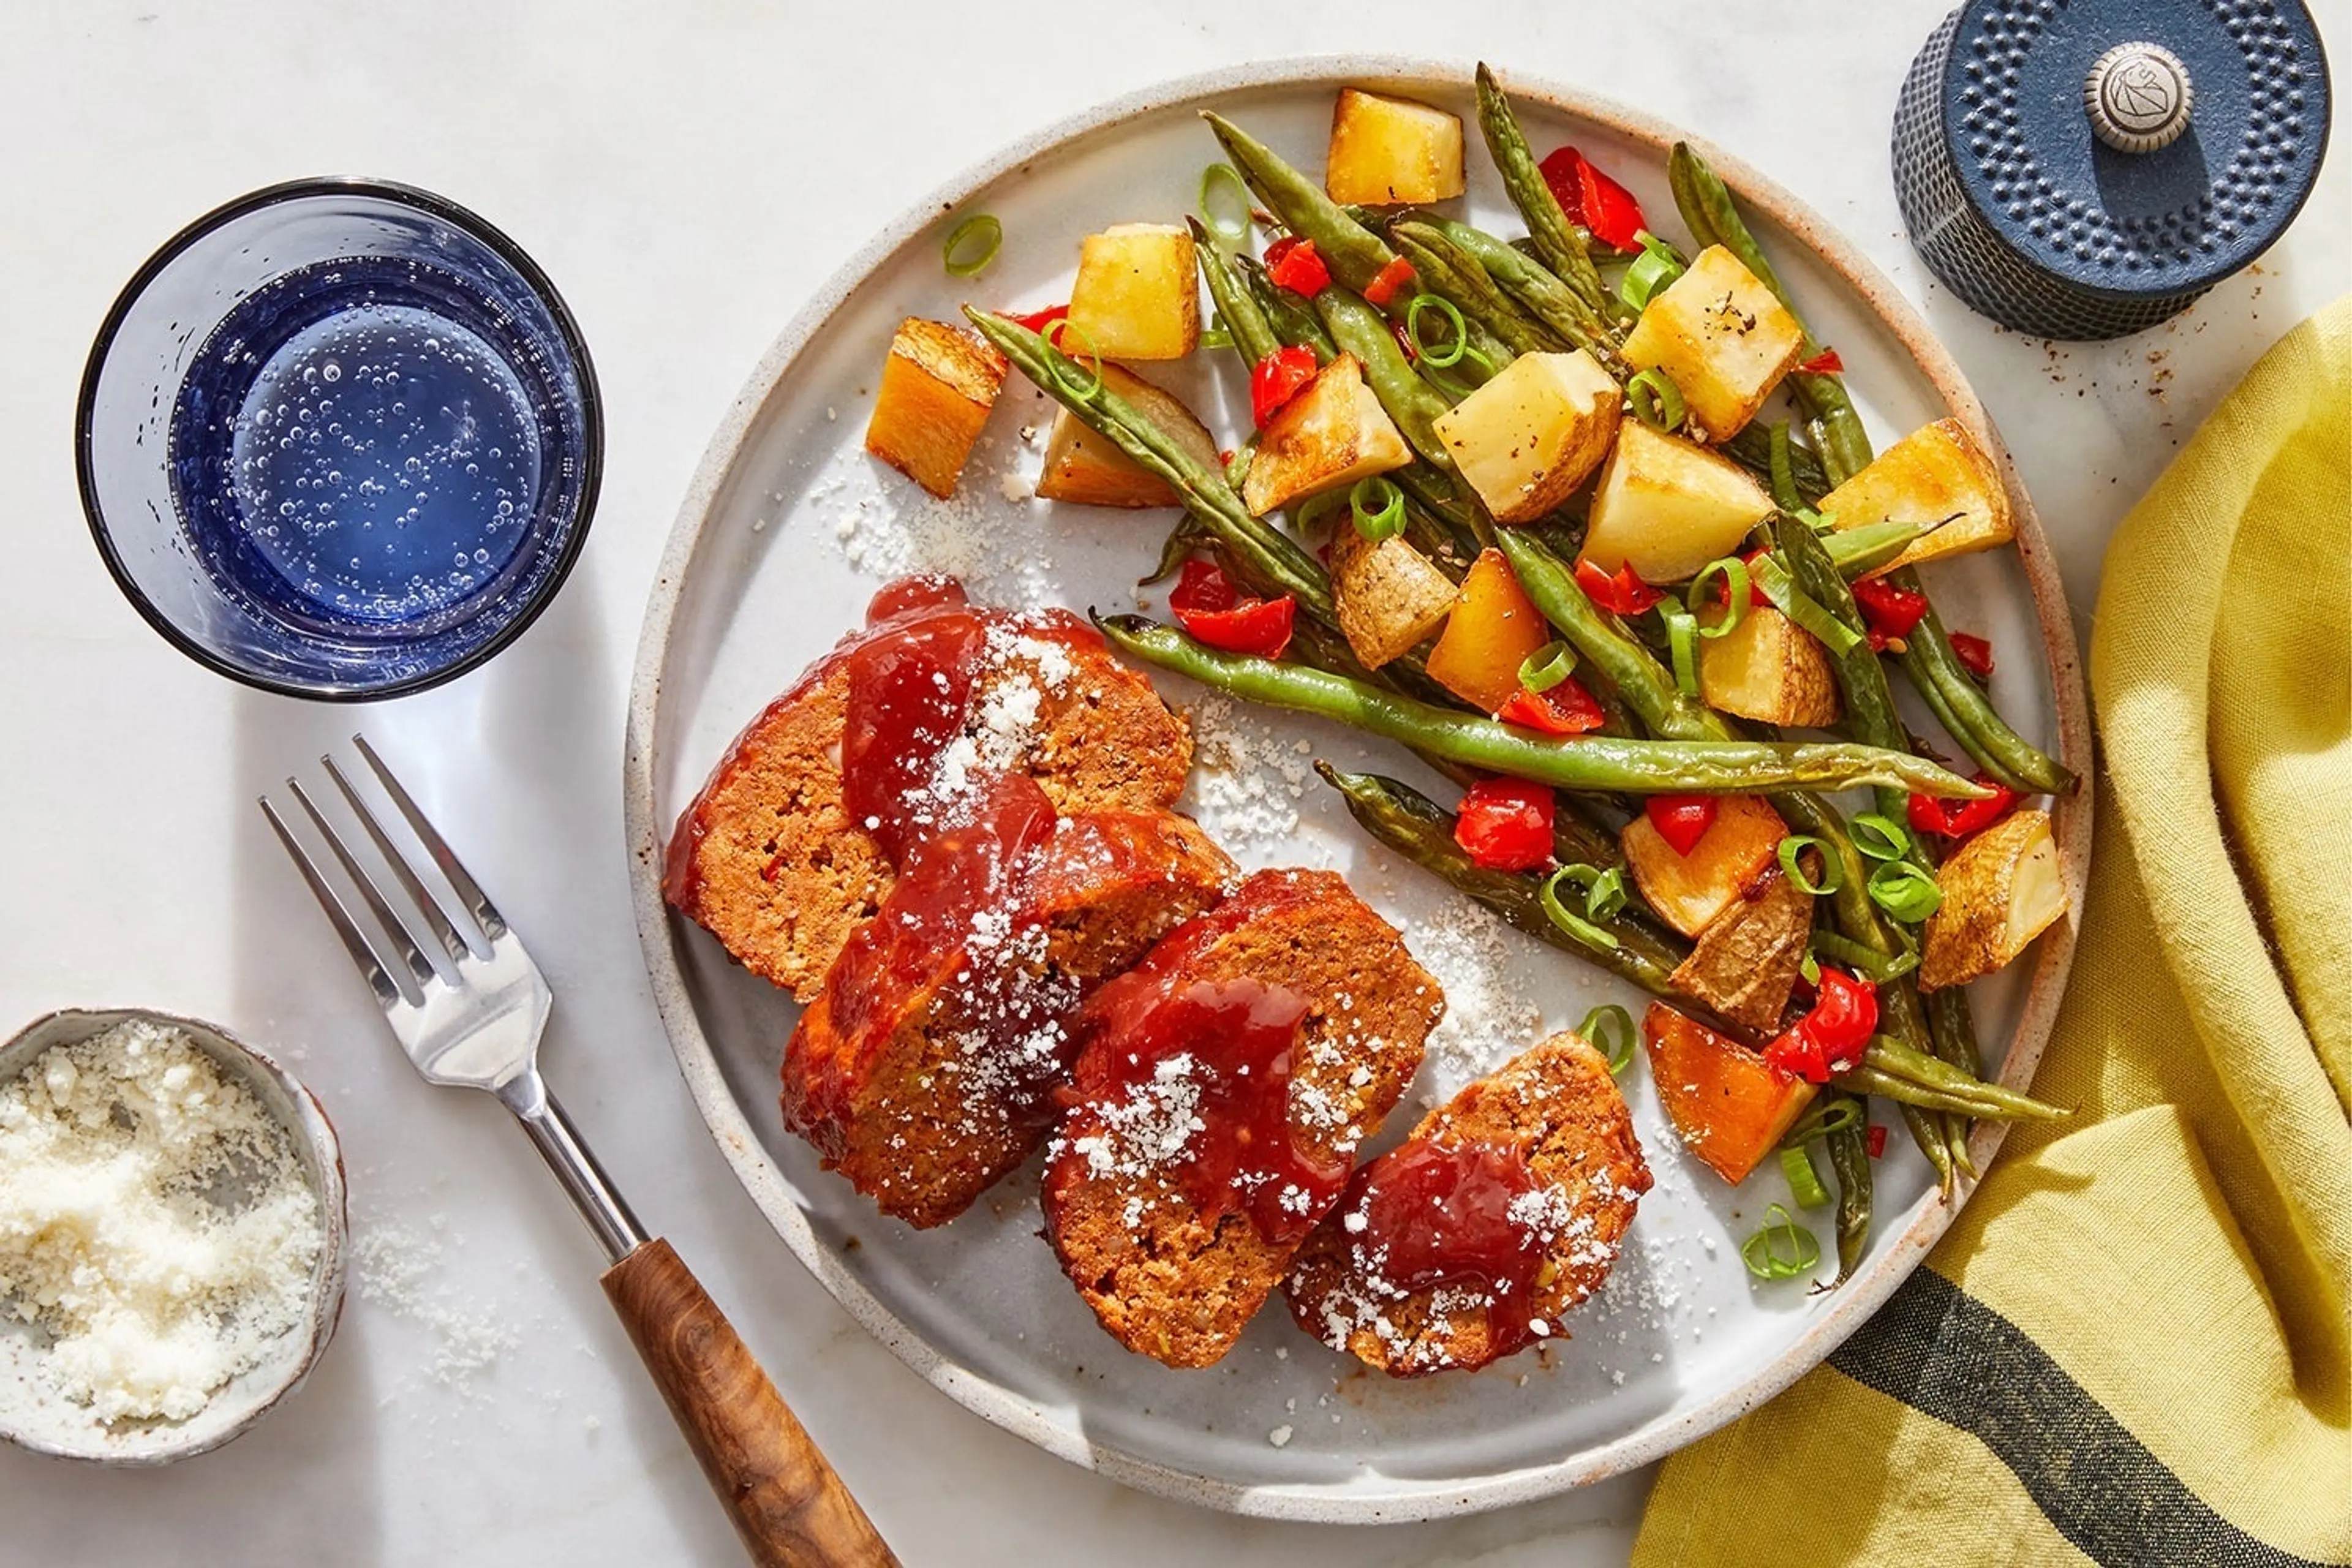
(1206, 605)
(1592, 198)
(1294, 264)
(1891, 612)
(1831, 1038)
(1388, 280)
(1567, 709)
(1277, 378)
(1825, 363)
(1875, 1142)
(1506, 824)
(1404, 341)
(1623, 593)
(1041, 320)
(1960, 818)
(1682, 820)
(1974, 653)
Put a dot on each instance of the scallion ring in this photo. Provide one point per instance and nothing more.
(1215, 338)
(1318, 506)
(1782, 589)
(1804, 1182)
(1574, 924)
(1736, 590)
(1905, 891)
(1811, 968)
(1084, 391)
(1785, 494)
(1872, 965)
(1651, 271)
(973, 245)
(1681, 643)
(1456, 346)
(1880, 837)
(1547, 666)
(1231, 231)
(1378, 505)
(1657, 402)
(1832, 876)
(1783, 1250)
(1610, 1031)
(1842, 1114)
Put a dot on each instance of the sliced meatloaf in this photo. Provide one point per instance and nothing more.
(923, 1070)
(1469, 1240)
(767, 858)
(1221, 1090)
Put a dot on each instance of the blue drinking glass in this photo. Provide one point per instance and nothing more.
(340, 439)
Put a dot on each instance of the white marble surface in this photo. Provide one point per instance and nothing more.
(687, 174)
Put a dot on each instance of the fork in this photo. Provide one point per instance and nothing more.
(469, 1015)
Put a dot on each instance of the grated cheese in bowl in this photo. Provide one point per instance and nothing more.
(166, 1250)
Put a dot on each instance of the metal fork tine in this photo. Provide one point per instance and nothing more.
(419, 968)
(379, 979)
(469, 892)
(445, 930)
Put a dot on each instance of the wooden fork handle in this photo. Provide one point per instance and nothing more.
(787, 1504)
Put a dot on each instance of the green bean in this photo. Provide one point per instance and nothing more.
(1270, 556)
(1859, 551)
(1354, 254)
(1541, 294)
(1926, 1130)
(1850, 1161)
(1585, 763)
(1292, 322)
(1444, 267)
(1967, 712)
(1245, 320)
(1599, 637)
(1953, 1033)
(1751, 448)
(1895, 1070)
(1412, 402)
(1557, 243)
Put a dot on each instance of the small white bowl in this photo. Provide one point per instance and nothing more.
(34, 1417)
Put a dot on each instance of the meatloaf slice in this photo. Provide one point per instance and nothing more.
(1466, 1242)
(767, 860)
(1160, 1198)
(925, 1074)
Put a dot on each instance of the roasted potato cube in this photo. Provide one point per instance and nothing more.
(1391, 150)
(1388, 594)
(1088, 467)
(1745, 964)
(2001, 889)
(1534, 433)
(1768, 668)
(1137, 296)
(1669, 507)
(1332, 433)
(1730, 1104)
(937, 385)
(1493, 629)
(1936, 472)
(1721, 337)
(1691, 891)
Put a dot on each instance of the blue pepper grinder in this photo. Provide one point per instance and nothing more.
(2089, 168)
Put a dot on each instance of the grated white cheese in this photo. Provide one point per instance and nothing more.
(155, 1223)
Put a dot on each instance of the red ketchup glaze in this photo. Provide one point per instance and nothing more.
(1240, 1035)
(1441, 1213)
(914, 626)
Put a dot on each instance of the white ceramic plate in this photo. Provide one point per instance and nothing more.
(789, 529)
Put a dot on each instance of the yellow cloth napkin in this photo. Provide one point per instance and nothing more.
(2135, 1345)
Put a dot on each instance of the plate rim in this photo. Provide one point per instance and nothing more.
(763, 1180)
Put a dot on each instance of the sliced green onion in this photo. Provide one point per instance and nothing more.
(1610, 1030)
(973, 245)
(1606, 895)
(1840, 1115)
(1782, 589)
(1804, 1182)
(1795, 844)
(1811, 968)
(1547, 666)
(1784, 470)
(1237, 466)
(1880, 837)
(1316, 507)
(1216, 338)
(1089, 389)
(1905, 891)
(1872, 965)
(1783, 1250)
(1574, 924)
(1656, 267)
(1472, 355)
(1734, 572)
(1682, 641)
(1231, 230)
(1456, 347)
(1379, 507)
(1657, 401)
(1859, 551)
